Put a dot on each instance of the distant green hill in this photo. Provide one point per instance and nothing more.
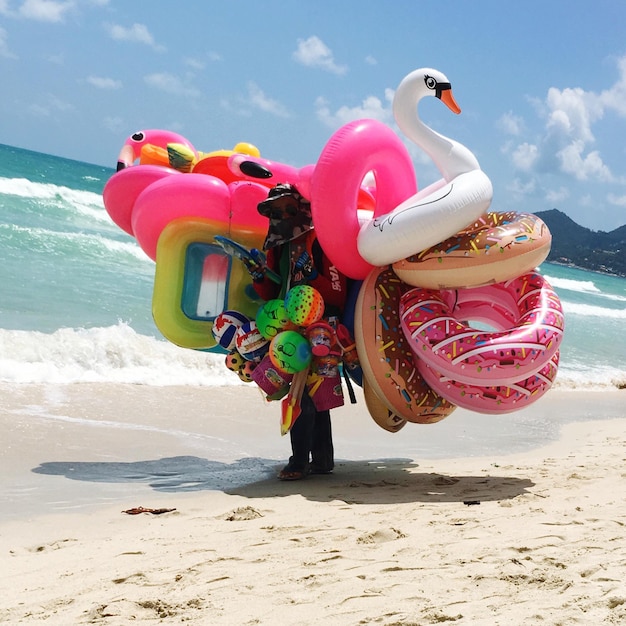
(589, 249)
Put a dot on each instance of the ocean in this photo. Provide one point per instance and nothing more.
(77, 290)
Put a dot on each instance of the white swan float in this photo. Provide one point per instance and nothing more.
(441, 209)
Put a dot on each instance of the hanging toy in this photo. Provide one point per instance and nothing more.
(304, 304)
(290, 352)
(225, 327)
(272, 318)
(250, 342)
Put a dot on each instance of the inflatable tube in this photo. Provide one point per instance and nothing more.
(495, 399)
(131, 150)
(123, 188)
(431, 323)
(385, 355)
(385, 418)
(196, 195)
(195, 280)
(495, 248)
(354, 150)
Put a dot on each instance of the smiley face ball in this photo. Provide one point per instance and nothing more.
(290, 352)
(304, 305)
(272, 318)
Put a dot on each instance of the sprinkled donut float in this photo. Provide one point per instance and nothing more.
(385, 354)
(493, 249)
(431, 322)
(494, 399)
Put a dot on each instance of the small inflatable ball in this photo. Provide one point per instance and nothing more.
(290, 352)
(242, 367)
(250, 342)
(272, 318)
(304, 305)
(225, 328)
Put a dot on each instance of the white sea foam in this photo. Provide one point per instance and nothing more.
(569, 284)
(590, 310)
(112, 354)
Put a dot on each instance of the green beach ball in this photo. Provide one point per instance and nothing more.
(290, 352)
(272, 318)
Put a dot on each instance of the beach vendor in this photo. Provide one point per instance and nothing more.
(294, 252)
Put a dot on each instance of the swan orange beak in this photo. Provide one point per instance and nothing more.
(448, 99)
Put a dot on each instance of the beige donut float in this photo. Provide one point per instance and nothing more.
(495, 248)
(385, 355)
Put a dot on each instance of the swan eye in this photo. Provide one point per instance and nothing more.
(430, 82)
(138, 136)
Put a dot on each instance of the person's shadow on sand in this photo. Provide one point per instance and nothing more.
(382, 481)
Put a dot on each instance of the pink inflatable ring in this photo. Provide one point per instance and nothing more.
(526, 307)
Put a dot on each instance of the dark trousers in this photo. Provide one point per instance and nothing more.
(311, 434)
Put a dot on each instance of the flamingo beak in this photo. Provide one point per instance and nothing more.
(448, 99)
(126, 157)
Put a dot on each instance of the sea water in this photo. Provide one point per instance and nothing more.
(76, 292)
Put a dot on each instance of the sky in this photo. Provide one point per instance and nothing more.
(541, 83)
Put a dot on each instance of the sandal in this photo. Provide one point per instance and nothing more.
(290, 474)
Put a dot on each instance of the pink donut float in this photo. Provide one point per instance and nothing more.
(431, 323)
(494, 399)
(354, 150)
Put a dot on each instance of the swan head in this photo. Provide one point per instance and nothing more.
(426, 82)
(439, 86)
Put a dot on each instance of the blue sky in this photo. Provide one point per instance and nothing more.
(541, 84)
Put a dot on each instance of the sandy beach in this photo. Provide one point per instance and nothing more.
(479, 520)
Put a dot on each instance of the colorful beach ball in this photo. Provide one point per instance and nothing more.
(242, 367)
(272, 318)
(304, 305)
(250, 342)
(290, 352)
(225, 328)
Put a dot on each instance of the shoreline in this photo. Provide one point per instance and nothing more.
(82, 446)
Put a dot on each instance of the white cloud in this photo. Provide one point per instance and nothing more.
(194, 64)
(104, 83)
(572, 112)
(5, 51)
(170, 84)
(615, 97)
(616, 200)
(557, 196)
(371, 107)
(313, 52)
(525, 156)
(568, 140)
(53, 104)
(259, 100)
(137, 33)
(45, 10)
(370, 60)
(516, 186)
(510, 124)
(583, 167)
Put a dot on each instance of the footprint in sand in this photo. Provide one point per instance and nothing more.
(381, 536)
(241, 514)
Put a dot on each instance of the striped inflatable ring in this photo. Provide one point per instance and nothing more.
(431, 324)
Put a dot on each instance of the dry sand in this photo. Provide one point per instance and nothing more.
(397, 535)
